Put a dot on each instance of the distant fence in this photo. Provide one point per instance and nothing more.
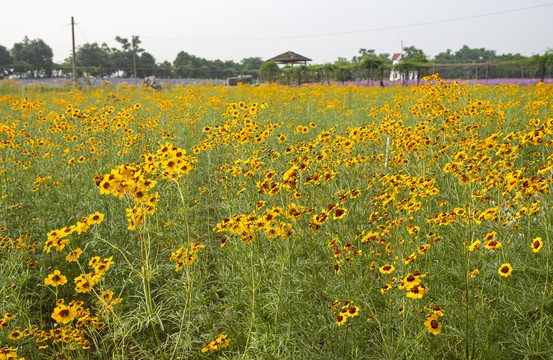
(105, 81)
(492, 82)
(62, 82)
(296, 74)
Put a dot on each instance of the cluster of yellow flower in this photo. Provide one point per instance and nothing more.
(73, 336)
(58, 238)
(240, 127)
(137, 180)
(185, 255)
(245, 226)
(222, 341)
(347, 311)
(433, 325)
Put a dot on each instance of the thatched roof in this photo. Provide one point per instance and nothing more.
(290, 57)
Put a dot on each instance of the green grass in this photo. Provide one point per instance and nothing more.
(273, 297)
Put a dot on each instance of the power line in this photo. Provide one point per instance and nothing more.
(357, 31)
(82, 34)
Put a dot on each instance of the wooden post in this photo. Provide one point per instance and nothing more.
(74, 64)
(133, 58)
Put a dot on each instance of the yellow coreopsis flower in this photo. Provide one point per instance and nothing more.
(386, 269)
(55, 279)
(96, 218)
(505, 270)
(64, 314)
(8, 353)
(74, 255)
(341, 320)
(537, 244)
(433, 325)
(475, 245)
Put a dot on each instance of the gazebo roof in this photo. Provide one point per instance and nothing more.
(289, 57)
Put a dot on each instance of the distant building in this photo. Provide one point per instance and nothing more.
(394, 74)
(290, 58)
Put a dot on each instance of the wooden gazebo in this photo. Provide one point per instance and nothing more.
(290, 58)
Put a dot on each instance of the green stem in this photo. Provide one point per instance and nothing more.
(188, 308)
(253, 302)
(546, 284)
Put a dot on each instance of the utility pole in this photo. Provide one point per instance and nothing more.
(74, 60)
(133, 57)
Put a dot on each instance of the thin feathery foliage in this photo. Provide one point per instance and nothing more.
(273, 222)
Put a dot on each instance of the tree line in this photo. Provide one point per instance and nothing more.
(34, 59)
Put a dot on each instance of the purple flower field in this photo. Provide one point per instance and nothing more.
(108, 81)
(494, 82)
(130, 81)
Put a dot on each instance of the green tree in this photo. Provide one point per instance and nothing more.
(328, 72)
(385, 57)
(467, 55)
(370, 63)
(447, 57)
(251, 63)
(183, 65)
(94, 59)
(146, 65)
(34, 53)
(125, 60)
(410, 52)
(414, 64)
(363, 53)
(370, 53)
(23, 68)
(300, 73)
(269, 71)
(343, 70)
(6, 62)
(164, 70)
(542, 62)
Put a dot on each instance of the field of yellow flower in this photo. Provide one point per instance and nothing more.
(272, 222)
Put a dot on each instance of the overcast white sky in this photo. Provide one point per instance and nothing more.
(322, 30)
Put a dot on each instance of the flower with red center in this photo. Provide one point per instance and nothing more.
(417, 291)
(537, 244)
(16, 334)
(386, 269)
(423, 248)
(64, 314)
(475, 245)
(8, 353)
(341, 319)
(96, 218)
(493, 244)
(490, 236)
(385, 288)
(409, 259)
(410, 281)
(437, 310)
(339, 213)
(433, 325)
(353, 311)
(505, 270)
(74, 255)
(337, 267)
(55, 279)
